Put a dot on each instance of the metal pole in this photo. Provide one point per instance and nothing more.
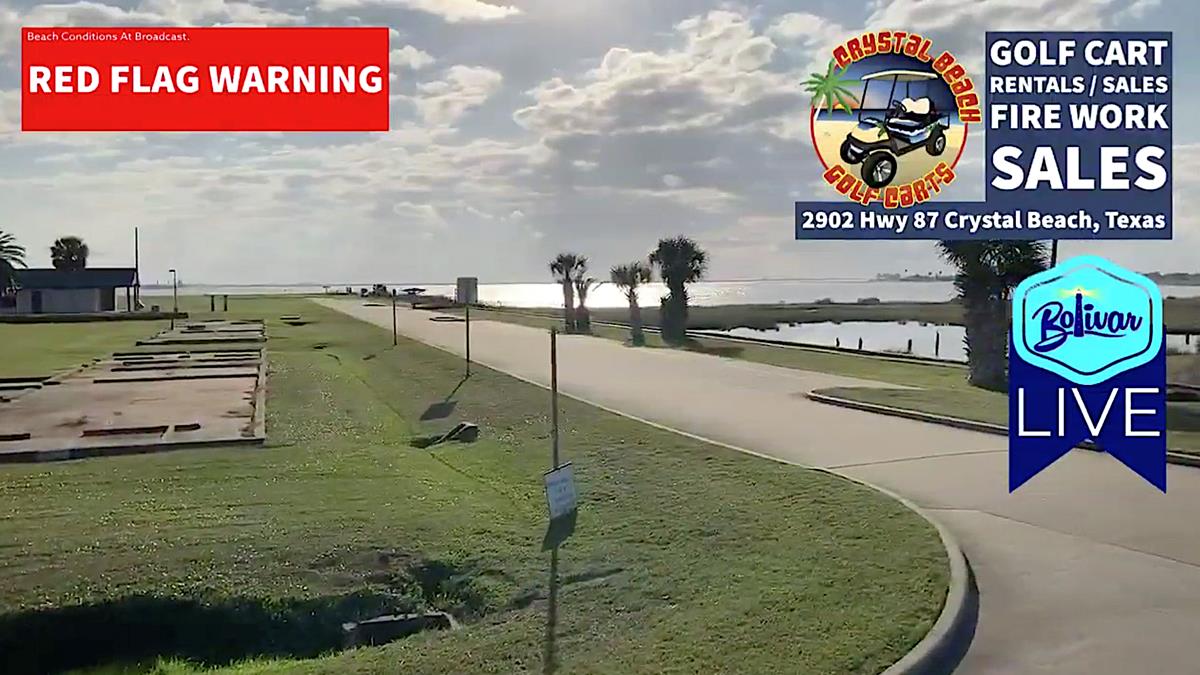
(554, 394)
(137, 270)
(395, 334)
(174, 296)
(468, 339)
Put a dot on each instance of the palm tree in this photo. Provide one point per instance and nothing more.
(987, 273)
(566, 267)
(628, 278)
(830, 90)
(12, 256)
(69, 253)
(583, 286)
(680, 262)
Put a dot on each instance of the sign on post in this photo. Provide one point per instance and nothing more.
(467, 291)
(560, 491)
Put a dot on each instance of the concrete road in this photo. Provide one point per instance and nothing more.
(1086, 569)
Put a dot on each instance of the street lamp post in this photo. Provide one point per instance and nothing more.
(174, 296)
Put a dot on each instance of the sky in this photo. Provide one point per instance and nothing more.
(522, 128)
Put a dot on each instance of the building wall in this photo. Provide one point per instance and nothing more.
(64, 301)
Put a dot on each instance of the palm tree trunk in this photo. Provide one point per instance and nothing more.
(674, 316)
(635, 321)
(987, 350)
(568, 306)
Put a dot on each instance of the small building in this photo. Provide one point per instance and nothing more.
(52, 291)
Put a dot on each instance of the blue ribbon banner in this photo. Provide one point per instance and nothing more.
(1078, 146)
(1087, 362)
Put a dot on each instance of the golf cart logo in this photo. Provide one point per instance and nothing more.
(889, 121)
(1087, 320)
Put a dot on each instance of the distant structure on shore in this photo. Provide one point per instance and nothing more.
(929, 276)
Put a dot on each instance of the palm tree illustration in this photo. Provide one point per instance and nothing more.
(830, 90)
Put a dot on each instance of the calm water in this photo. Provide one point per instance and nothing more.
(942, 342)
(704, 293)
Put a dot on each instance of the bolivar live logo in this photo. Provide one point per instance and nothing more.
(896, 137)
(1087, 362)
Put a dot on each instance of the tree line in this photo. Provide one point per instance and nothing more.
(679, 261)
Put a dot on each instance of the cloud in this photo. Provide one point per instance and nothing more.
(443, 102)
(145, 13)
(717, 76)
(410, 57)
(453, 11)
(807, 29)
(634, 121)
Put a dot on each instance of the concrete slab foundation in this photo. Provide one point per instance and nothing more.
(159, 398)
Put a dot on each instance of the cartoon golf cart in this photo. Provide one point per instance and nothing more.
(907, 124)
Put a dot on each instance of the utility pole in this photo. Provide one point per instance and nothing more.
(554, 395)
(137, 271)
(174, 296)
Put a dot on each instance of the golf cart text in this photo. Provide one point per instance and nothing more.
(1113, 52)
(892, 196)
(915, 46)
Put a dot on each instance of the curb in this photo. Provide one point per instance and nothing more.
(1173, 457)
(951, 634)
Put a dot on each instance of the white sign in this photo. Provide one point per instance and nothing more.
(560, 491)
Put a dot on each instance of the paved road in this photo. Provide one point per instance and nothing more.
(1086, 569)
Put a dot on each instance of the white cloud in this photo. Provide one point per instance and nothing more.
(410, 57)
(452, 11)
(716, 76)
(806, 28)
(443, 102)
(146, 12)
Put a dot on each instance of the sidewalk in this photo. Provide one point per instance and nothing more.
(1086, 569)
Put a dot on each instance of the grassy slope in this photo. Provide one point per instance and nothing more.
(33, 350)
(687, 557)
(942, 389)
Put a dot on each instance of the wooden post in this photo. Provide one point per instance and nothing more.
(225, 298)
(1053, 253)
(468, 339)
(937, 343)
(554, 396)
(212, 303)
(909, 345)
(860, 344)
(395, 334)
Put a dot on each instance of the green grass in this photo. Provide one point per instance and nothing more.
(41, 349)
(687, 557)
(934, 388)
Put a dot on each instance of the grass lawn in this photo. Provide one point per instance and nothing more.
(687, 557)
(934, 388)
(40, 349)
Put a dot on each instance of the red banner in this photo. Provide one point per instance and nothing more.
(204, 79)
